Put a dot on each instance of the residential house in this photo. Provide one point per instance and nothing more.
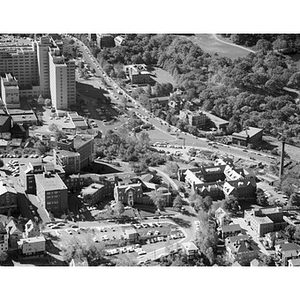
(222, 217)
(31, 229)
(294, 262)
(243, 250)
(15, 233)
(190, 249)
(79, 262)
(8, 198)
(287, 251)
(230, 230)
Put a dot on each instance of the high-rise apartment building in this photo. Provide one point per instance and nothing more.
(40, 68)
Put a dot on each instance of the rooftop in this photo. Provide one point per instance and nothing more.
(32, 240)
(50, 182)
(249, 132)
(231, 227)
(92, 189)
(215, 119)
(289, 246)
(263, 220)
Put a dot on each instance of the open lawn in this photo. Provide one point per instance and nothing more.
(158, 136)
(162, 76)
(209, 44)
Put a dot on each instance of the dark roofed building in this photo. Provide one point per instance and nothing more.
(5, 123)
(251, 135)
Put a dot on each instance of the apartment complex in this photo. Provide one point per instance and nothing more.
(40, 68)
(52, 192)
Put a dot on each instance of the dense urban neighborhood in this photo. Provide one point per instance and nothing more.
(149, 150)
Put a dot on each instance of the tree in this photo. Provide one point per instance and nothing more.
(177, 203)
(290, 231)
(230, 204)
(3, 257)
(172, 169)
(294, 200)
(260, 197)
(41, 100)
(1, 163)
(201, 204)
(119, 208)
(267, 260)
(158, 199)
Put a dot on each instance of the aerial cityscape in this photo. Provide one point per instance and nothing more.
(149, 150)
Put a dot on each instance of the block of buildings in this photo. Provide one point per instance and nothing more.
(3, 238)
(251, 135)
(8, 198)
(93, 194)
(265, 220)
(138, 74)
(10, 90)
(52, 192)
(32, 245)
(194, 118)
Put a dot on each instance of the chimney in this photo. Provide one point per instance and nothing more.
(281, 160)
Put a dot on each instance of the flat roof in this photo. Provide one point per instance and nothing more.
(53, 182)
(66, 153)
(32, 240)
(92, 189)
(263, 220)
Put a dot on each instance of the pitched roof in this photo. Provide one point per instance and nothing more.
(231, 227)
(190, 246)
(289, 247)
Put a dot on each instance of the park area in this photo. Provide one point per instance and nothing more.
(209, 44)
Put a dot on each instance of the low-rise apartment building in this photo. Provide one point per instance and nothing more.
(32, 245)
(251, 135)
(265, 220)
(52, 192)
(93, 194)
(194, 118)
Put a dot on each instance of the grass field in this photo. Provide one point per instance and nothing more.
(209, 44)
(162, 76)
